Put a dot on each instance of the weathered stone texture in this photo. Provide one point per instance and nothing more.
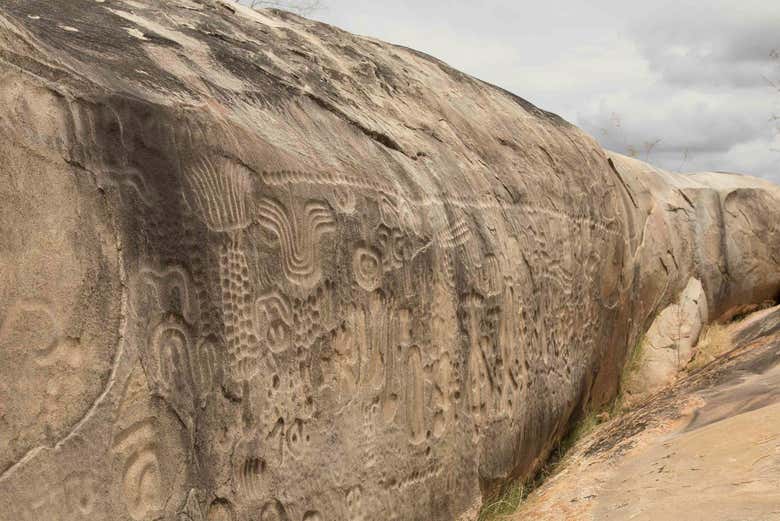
(667, 346)
(253, 267)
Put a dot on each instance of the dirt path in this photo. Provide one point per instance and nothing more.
(706, 449)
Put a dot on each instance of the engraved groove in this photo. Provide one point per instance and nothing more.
(299, 240)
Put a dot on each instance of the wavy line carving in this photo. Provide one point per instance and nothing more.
(299, 238)
(219, 192)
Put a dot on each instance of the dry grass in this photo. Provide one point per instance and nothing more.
(716, 338)
(507, 502)
(713, 342)
(623, 402)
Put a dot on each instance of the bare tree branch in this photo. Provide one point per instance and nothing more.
(774, 84)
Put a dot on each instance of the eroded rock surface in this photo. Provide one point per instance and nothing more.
(707, 447)
(667, 347)
(254, 267)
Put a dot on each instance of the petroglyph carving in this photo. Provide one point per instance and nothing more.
(252, 474)
(511, 334)
(444, 332)
(312, 515)
(294, 439)
(445, 388)
(369, 357)
(63, 348)
(141, 474)
(136, 445)
(274, 321)
(394, 246)
(376, 326)
(402, 482)
(70, 499)
(57, 379)
(355, 507)
(218, 190)
(478, 384)
(273, 511)
(404, 327)
(298, 236)
(398, 206)
(311, 317)
(445, 267)
(171, 342)
(250, 478)
(204, 367)
(30, 325)
(183, 369)
(131, 181)
(237, 313)
(450, 232)
(288, 440)
(171, 289)
(344, 200)
(415, 395)
(191, 510)
(221, 510)
(328, 311)
(367, 268)
(491, 279)
(346, 370)
(350, 183)
(397, 211)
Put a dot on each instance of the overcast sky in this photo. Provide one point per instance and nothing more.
(690, 76)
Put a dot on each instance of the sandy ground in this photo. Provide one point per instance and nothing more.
(708, 448)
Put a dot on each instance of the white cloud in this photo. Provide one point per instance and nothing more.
(687, 72)
(684, 120)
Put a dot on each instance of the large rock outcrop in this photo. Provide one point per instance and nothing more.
(705, 447)
(254, 267)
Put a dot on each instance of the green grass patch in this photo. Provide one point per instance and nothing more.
(505, 503)
(509, 499)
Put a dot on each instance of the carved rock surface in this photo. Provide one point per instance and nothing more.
(254, 267)
(702, 448)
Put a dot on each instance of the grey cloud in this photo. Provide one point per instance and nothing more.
(713, 49)
(687, 72)
(712, 72)
(695, 123)
(709, 138)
